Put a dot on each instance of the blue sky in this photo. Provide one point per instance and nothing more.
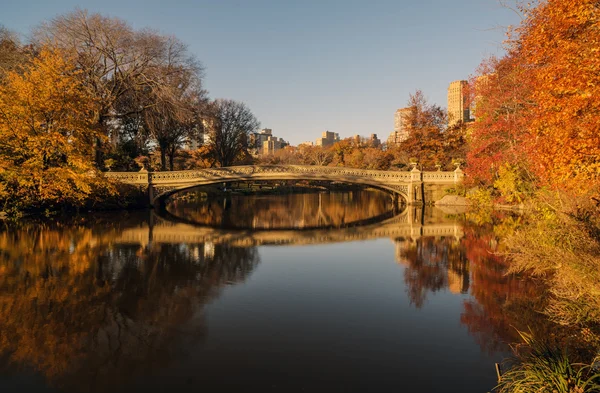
(304, 67)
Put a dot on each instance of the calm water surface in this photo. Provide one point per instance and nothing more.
(135, 302)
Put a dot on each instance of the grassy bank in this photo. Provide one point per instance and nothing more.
(558, 240)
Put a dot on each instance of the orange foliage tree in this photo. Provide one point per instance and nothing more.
(429, 142)
(559, 42)
(537, 107)
(46, 136)
(502, 102)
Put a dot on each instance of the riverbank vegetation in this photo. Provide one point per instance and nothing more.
(536, 141)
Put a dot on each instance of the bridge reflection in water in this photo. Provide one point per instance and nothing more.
(410, 224)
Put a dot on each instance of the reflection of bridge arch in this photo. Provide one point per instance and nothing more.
(409, 185)
(408, 225)
(168, 215)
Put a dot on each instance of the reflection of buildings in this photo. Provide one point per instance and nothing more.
(458, 110)
(400, 133)
(265, 143)
(209, 250)
(328, 139)
(457, 282)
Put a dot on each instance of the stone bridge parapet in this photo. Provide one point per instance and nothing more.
(410, 185)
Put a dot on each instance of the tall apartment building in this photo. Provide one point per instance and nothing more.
(272, 144)
(458, 110)
(263, 142)
(327, 139)
(257, 138)
(400, 132)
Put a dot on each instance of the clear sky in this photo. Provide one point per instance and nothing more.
(306, 66)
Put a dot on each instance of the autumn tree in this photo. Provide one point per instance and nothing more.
(501, 97)
(315, 155)
(12, 53)
(425, 123)
(342, 150)
(536, 107)
(47, 135)
(228, 124)
(173, 113)
(115, 61)
(289, 155)
(558, 42)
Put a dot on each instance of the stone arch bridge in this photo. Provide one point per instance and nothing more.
(414, 187)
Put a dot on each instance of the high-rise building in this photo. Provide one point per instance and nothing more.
(374, 141)
(458, 110)
(258, 138)
(400, 132)
(327, 139)
(263, 142)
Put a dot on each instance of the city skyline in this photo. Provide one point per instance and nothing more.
(309, 67)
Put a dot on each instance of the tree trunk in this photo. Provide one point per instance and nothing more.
(99, 156)
(99, 148)
(171, 159)
(163, 159)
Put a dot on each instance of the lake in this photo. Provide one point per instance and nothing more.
(337, 292)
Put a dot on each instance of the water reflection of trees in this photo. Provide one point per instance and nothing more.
(335, 209)
(499, 304)
(432, 264)
(89, 314)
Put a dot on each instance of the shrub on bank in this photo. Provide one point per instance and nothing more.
(538, 367)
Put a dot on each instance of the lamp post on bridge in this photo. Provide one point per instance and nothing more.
(150, 185)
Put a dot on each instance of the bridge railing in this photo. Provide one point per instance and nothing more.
(274, 171)
(129, 177)
(252, 170)
(442, 177)
(407, 183)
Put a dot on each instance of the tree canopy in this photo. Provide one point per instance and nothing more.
(46, 134)
(537, 107)
(229, 124)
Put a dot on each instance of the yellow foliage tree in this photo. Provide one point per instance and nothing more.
(47, 136)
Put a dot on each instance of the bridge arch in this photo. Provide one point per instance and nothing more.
(160, 196)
